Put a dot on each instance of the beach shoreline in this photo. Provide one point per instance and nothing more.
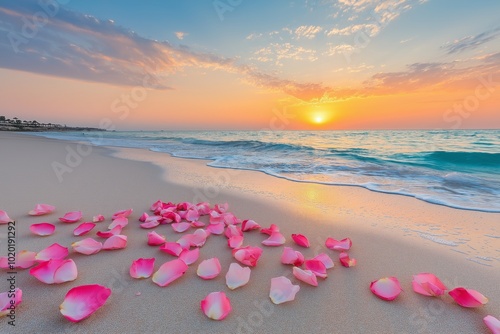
(392, 236)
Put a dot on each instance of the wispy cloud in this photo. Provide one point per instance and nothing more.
(368, 28)
(308, 32)
(471, 42)
(180, 35)
(277, 52)
(78, 46)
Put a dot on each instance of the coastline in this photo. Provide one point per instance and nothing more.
(392, 236)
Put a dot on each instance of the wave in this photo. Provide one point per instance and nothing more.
(481, 159)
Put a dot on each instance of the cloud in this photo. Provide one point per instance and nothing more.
(82, 47)
(368, 28)
(308, 32)
(339, 49)
(277, 52)
(471, 42)
(180, 35)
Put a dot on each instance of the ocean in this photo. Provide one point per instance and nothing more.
(455, 168)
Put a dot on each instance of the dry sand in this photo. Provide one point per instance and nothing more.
(392, 236)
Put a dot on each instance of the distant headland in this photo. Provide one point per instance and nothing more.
(16, 124)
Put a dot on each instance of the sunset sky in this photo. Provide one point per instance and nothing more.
(252, 64)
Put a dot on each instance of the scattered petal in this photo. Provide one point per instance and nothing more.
(192, 214)
(428, 285)
(142, 268)
(120, 221)
(82, 301)
(387, 288)
(344, 244)
(282, 290)
(272, 229)
(118, 241)
(290, 256)
(55, 271)
(41, 209)
(221, 208)
(216, 305)
(217, 228)
(24, 259)
(143, 217)
(346, 261)
(305, 276)
(249, 225)
(276, 239)
(301, 240)
(122, 213)
(83, 228)
(199, 237)
(172, 248)
(209, 269)
(235, 241)
(98, 219)
(53, 252)
(42, 229)
(203, 208)
(9, 300)
(468, 297)
(248, 255)
(107, 234)
(492, 323)
(325, 259)
(317, 267)
(154, 239)
(71, 217)
(190, 256)
(4, 217)
(181, 227)
(87, 246)
(169, 272)
(150, 224)
(237, 276)
(197, 224)
(233, 230)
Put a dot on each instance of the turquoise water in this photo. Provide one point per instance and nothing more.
(460, 169)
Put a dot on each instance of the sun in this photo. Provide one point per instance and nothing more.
(319, 117)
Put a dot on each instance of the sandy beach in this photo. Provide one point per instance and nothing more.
(392, 236)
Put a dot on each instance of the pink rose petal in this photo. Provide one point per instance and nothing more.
(82, 301)
(290, 256)
(203, 208)
(272, 229)
(216, 305)
(189, 256)
(169, 272)
(42, 229)
(346, 261)
(301, 240)
(143, 217)
(55, 271)
(71, 217)
(119, 221)
(98, 219)
(41, 209)
(181, 227)
(83, 229)
(428, 285)
(249, 225)
(217, 228)
(233, 230)
(387, 288)
(154, 239)
(107, 234)
(209, 269)
(197, 224)
(122, 214)
(492, 323)
(325, 259)
(118, 241)
(282, 290)
(305, 276)
(317, 267)
(468, 297)
(4, 217)
(344, 244)
(142, 268)
(247, 255)
(87, 246)
(172, 248)
(24, 259)
(276, 239)
(53, 252)
(221, 208)
(192, 215)
(235, 241)
(9, 300)
(237, 276)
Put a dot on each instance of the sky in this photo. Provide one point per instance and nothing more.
(252, 64)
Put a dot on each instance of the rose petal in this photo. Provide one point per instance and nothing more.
(172, 248)
(143, 217)
(107, 234)
(276, 239)
(142, 268)
(24, 259)
(235, 241)
(122, 213)
(42, 229)
(233, 230)
(290, 256)
(181, 227)
(317, 267)
(87, 246)
(247, 255)
(118, 241)
(209, 269)
(83, 228)
(82, 301)
(492, 323)
(98, 219)
(9, 300)
(4, 217)
(119, 221)
(169, 272)
(192, 215)
(282, 290)
(203, 208)
(216, 228)
(301, 240)
(197, 224)
(306, 276)
(346, 261)
(468, 297)
(216, 305)
(53, 252)
(325, 259)
(272, 229)
(154, 239)
(237, 276)
(221, 208)
(344, 244)
(387, 288)
(55, 271)
(428, 285)
(41, 209)
(249, 225)
(71, 217)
